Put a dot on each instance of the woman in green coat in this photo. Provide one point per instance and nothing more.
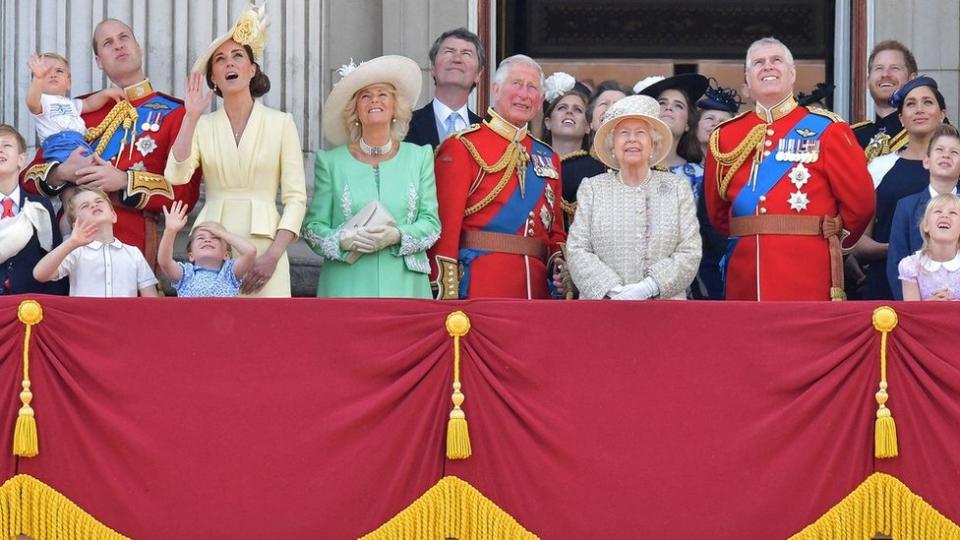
(374, 209)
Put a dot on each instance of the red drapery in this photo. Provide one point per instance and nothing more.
(324, 418)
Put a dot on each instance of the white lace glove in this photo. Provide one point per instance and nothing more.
(352, 240)
(380, 236)
(642, 290)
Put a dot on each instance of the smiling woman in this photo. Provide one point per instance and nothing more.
(895, 176)
(248, 152)
(374, 209)
(635, 235)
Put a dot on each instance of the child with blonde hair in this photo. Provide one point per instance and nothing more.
(210, 271)
(933, 272)
(59, 125)
(98, 264)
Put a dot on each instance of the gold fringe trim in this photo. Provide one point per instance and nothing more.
(122, 114)
(885, 429)
(514, 158)
(25, 443)
(881, 504)
(452, 509)
(32, 508)
(752, 144)
(458, 434)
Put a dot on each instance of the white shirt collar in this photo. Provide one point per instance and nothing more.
(442, 112)
(931, 265)
(933, 192)
(15, 195)
(96, 244)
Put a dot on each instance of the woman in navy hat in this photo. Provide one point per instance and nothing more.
(716, 106)
(921, 108)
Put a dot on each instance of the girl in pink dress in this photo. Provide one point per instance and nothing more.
(933, 273)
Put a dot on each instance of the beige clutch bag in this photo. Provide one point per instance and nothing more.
(371, 215)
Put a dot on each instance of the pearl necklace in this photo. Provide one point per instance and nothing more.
(375, 150)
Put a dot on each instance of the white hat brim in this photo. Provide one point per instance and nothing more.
(401, 72)
(200, 66)
(607, 156)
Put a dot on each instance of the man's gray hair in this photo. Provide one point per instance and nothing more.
(787, 55)
(501, 74)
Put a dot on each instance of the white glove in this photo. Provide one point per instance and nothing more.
(352, 240)
(380, 236)
(642, 290)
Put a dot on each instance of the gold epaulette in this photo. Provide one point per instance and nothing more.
(899, 141)
(573, 155)
(462, 132)
(859, 125)
(828, 114)
(661, 168)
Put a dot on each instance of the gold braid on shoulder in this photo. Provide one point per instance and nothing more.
(732, 160)
(513, 159)
(123, 113)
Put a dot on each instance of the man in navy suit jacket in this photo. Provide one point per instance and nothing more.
(20, 246)
(943, 162)
(457, 59)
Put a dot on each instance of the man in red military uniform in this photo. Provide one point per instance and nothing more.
(499, 194)
(788, 184)
(132, 140)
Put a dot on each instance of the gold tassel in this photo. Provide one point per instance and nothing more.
(885, 429)
(458, 434)
(25, 432)
(36, 510)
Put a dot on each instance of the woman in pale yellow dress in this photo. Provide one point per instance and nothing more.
(248, 153)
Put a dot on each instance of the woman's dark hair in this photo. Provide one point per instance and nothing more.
(259, 84)
(689, 147)
(601, 88)
(547, 135)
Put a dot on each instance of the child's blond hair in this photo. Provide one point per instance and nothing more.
(203, 225)
(71, 211)
(57, 57)
(939, 200)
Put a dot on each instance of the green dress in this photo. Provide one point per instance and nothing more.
(405, 185)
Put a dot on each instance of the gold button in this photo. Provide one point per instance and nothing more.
(763, 198)
(769, 132)
(763, 210)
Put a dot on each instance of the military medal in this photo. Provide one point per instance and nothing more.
(155, 126)
(798, 201)
(546, 217)
(543, 166)
(145, 145)
(799, 175)
(549, 195)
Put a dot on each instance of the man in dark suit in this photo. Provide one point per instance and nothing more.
(456, 58)
(28, 228)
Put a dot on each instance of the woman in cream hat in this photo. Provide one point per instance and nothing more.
(635, 235)
(248, 152)
(374, 209)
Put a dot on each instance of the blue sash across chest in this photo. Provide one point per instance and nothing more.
(771, 171)
(512, 215)
(154, 110)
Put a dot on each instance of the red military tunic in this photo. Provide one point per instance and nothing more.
(780, 266)
(469, 200)
(144, 160)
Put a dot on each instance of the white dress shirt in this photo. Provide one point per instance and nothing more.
(106, 270)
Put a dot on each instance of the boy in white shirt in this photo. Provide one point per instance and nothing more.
(59, 125)
(98, 264)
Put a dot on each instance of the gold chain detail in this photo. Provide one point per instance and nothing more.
(515, 156)
(733, 159)
(123, 113)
